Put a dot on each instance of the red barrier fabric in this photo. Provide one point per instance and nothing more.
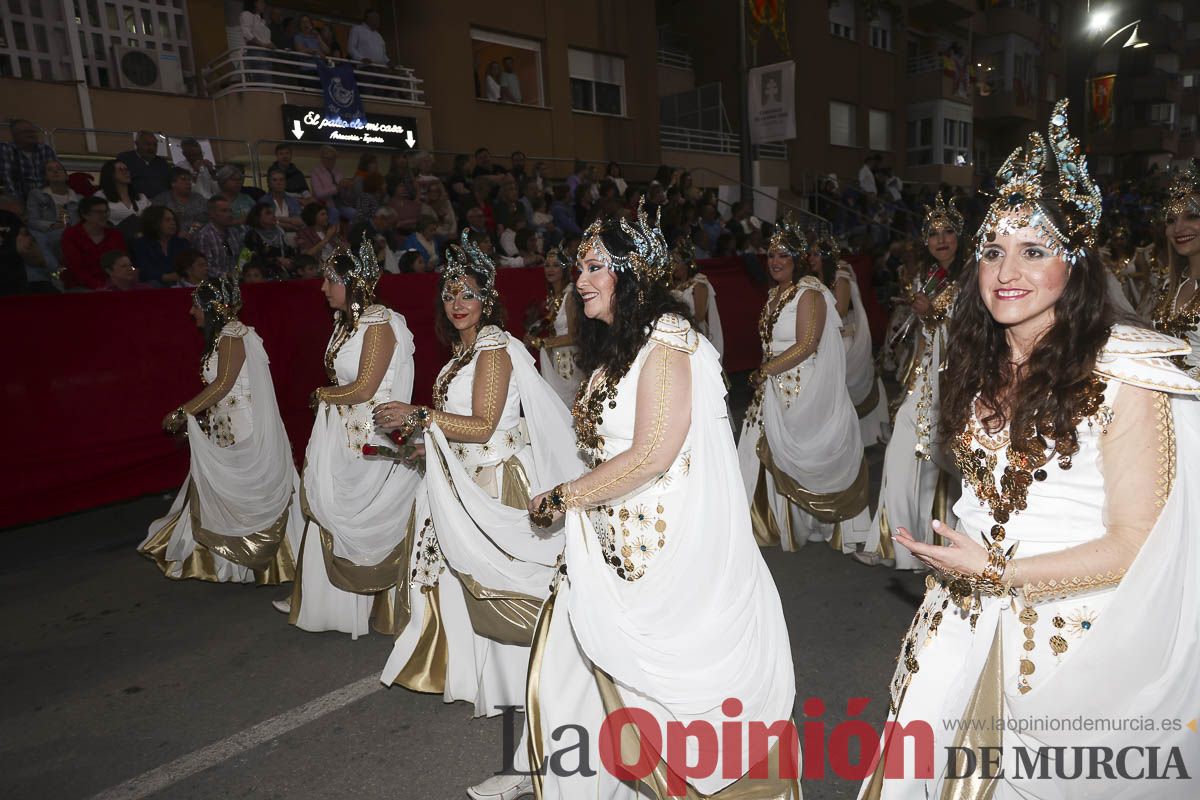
(877, 315)
(94, 375)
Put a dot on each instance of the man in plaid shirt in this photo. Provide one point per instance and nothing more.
(23, 162)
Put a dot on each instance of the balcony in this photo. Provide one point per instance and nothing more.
(928, 79)
(938, 13)
(1001, 21)
(695, 140)
(1142, 138)
(1152, 87)
(1007, 105)
(252, 70)
(673, 49)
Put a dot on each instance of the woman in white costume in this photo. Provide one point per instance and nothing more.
(478, 572)
(919, 479)
(357, 510)
(1069, 590)
(1127, 284)
(863, 383)
(235, 518)
(554, 334)
(801, 452)
(1178, 313)
(663, 602)
(693, 289)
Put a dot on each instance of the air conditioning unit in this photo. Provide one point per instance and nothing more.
(150, 70)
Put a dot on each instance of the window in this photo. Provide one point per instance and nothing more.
(881, 30)
(1162, 114)
(1189, 80)
(879, 129)
(597, 82)
(508, 69)
(956, 142)
(939, 133)
(841, 19)
(841, 124)
(920, 142)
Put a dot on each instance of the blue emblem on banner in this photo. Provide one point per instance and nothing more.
(341, 91)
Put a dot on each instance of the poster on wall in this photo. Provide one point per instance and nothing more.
(772, 100)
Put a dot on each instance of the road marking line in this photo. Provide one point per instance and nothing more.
(183, 767)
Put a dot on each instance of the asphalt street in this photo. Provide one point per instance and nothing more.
(118, 683)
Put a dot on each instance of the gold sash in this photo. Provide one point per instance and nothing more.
(828, 508)
(348, 576)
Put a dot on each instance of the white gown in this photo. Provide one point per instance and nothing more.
(478, 572)
(862, 381)
(1124, 652)
(558, 363)
(1185, 317)
(808, 426)
(693, 617)
(239, 499)
(357, 509)
(711, 327)
(919, 482)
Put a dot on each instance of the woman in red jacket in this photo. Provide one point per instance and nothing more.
(85, 243)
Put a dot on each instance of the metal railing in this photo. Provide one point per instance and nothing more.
(773, 198)
(674, 58)
(923, 64)
(245, 69)
(107, 154)
(696, 140)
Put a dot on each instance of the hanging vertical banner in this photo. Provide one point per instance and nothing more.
(1100, 100)
(772, 101)
(340, 89)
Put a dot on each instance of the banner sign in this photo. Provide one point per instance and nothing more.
(340, 89)
(772, 101)
(1100, 100)
(312, 125)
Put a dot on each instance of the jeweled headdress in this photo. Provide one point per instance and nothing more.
(1184, 191)
(464, 256)
(685, 251)
(565, 260)
(363, 275)
(789, 238)
(826, 243)
(1022, 191)
(219, 298)
(941, 214)
(648, 261)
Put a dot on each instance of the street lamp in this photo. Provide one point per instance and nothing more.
(1133, 41)
(1100, 19)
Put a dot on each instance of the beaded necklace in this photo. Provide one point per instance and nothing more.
(588, 412)
(1026, 459)
(1177, 322)
(341, 335)
(553, 304)
(766, 327)
(462, 357)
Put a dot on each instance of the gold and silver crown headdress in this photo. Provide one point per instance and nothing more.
(1021, 194)
(941, 214)
(648, 261)
(467, 255)
(1184, 191)
(789, 238)
(826, 243)
(685, 251)
(219, 298)
(364, 272)
(566, 261)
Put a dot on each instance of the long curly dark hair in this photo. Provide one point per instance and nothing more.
(615, 346)
(446, 333)
(1045, 396)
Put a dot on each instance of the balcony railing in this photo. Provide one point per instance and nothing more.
(716, 142)
(251, 69)
(674, 58)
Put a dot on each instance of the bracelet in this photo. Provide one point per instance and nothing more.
(991, 580)
(555, 502)
(177, 421)
(314, 400)
(420, 418)
(537, 342)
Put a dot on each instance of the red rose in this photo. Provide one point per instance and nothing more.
(369, 450)
(396, 437)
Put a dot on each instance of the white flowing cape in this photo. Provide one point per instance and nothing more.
(705, 622)
(817, 441)
(479, 536)
(361, 502)
(245, 487)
